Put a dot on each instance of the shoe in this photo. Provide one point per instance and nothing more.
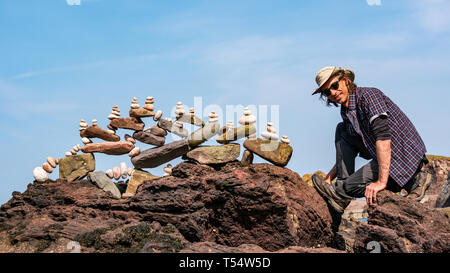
(422, 182)
(329, 193)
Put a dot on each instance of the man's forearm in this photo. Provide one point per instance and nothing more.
(384, 159)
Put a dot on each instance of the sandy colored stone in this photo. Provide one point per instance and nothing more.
(47, 167)
(191, 119)
(110, 148)
(76, 167)
(137, 178)
(275, 152)
(247, 158)
(215, 154)
(236, 134)
(158, 131)
(203, 134)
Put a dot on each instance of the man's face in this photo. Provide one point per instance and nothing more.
(338, 91)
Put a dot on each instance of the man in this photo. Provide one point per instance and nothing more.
(375, 128)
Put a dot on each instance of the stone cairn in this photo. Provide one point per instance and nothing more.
(76, 166)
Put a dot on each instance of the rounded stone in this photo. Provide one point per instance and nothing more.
(47, 167)
(40, 174)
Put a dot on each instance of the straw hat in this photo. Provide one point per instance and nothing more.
(326, 73)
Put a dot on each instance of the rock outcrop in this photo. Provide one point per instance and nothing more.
(231, 205)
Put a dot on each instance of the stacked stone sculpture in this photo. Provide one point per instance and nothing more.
(77, 166)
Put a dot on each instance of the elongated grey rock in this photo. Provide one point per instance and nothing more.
(104, 182)
(154, 157)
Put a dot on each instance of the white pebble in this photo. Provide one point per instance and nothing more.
(40, 174)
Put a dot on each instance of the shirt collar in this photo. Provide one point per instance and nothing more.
(351, 102)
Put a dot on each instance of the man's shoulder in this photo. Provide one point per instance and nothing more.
(367, 91)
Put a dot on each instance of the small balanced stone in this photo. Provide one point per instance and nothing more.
(115, 113)
(51, 161)
(134, 152)
(271, 133)
(285, 139)
(47, 167)
(110, 173)
(86, 140)
(157, 115)
(123, 169)
(116, 173)
(212, 128)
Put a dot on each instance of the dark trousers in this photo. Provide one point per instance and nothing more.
(349, 183)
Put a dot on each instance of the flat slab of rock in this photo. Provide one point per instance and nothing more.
(76, 167)
(154, 157)
(236, 134)
(215, 154)
(275, 152)
(131, 123)
(137, 178)
(104, 182)
(149, 138)
(110, 148)
(141, 113)
(98, 132)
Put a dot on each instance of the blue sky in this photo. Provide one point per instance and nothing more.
(61, 63)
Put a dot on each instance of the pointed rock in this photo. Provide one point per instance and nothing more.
(154, 157)
(137, 178)
(247, 158)
(97, 132)
(215, 154)
(104, 182)
(110, 148)
(203, 134)
(273, 151)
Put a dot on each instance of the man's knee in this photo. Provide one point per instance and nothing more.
(340, 129)
(354, 188)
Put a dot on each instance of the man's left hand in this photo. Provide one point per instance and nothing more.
(372, 190)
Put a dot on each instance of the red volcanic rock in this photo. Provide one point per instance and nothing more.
(399, 224)
(261, 204)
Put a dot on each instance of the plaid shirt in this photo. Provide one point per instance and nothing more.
(407, 148)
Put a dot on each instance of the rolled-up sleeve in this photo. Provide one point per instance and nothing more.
(374, 104)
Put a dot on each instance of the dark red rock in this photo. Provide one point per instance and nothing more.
(400, 224)
(149, 138)
(260, 204)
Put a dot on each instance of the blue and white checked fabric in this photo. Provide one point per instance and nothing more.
(407, 147)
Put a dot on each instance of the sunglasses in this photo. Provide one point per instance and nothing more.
(334, 86)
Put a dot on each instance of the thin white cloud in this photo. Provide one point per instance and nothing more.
(86, 66)
(433, 15)
(373, 2)
(73, 2)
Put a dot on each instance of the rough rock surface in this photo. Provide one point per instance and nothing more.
(149, 138)
(137, 178)
(154, 157)
(97, 132)
(130, 123)
(232, 205)
(215, 154)
(110, 148)
(399, 224)
(104, 182)
(76, 166)
(273, 151)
